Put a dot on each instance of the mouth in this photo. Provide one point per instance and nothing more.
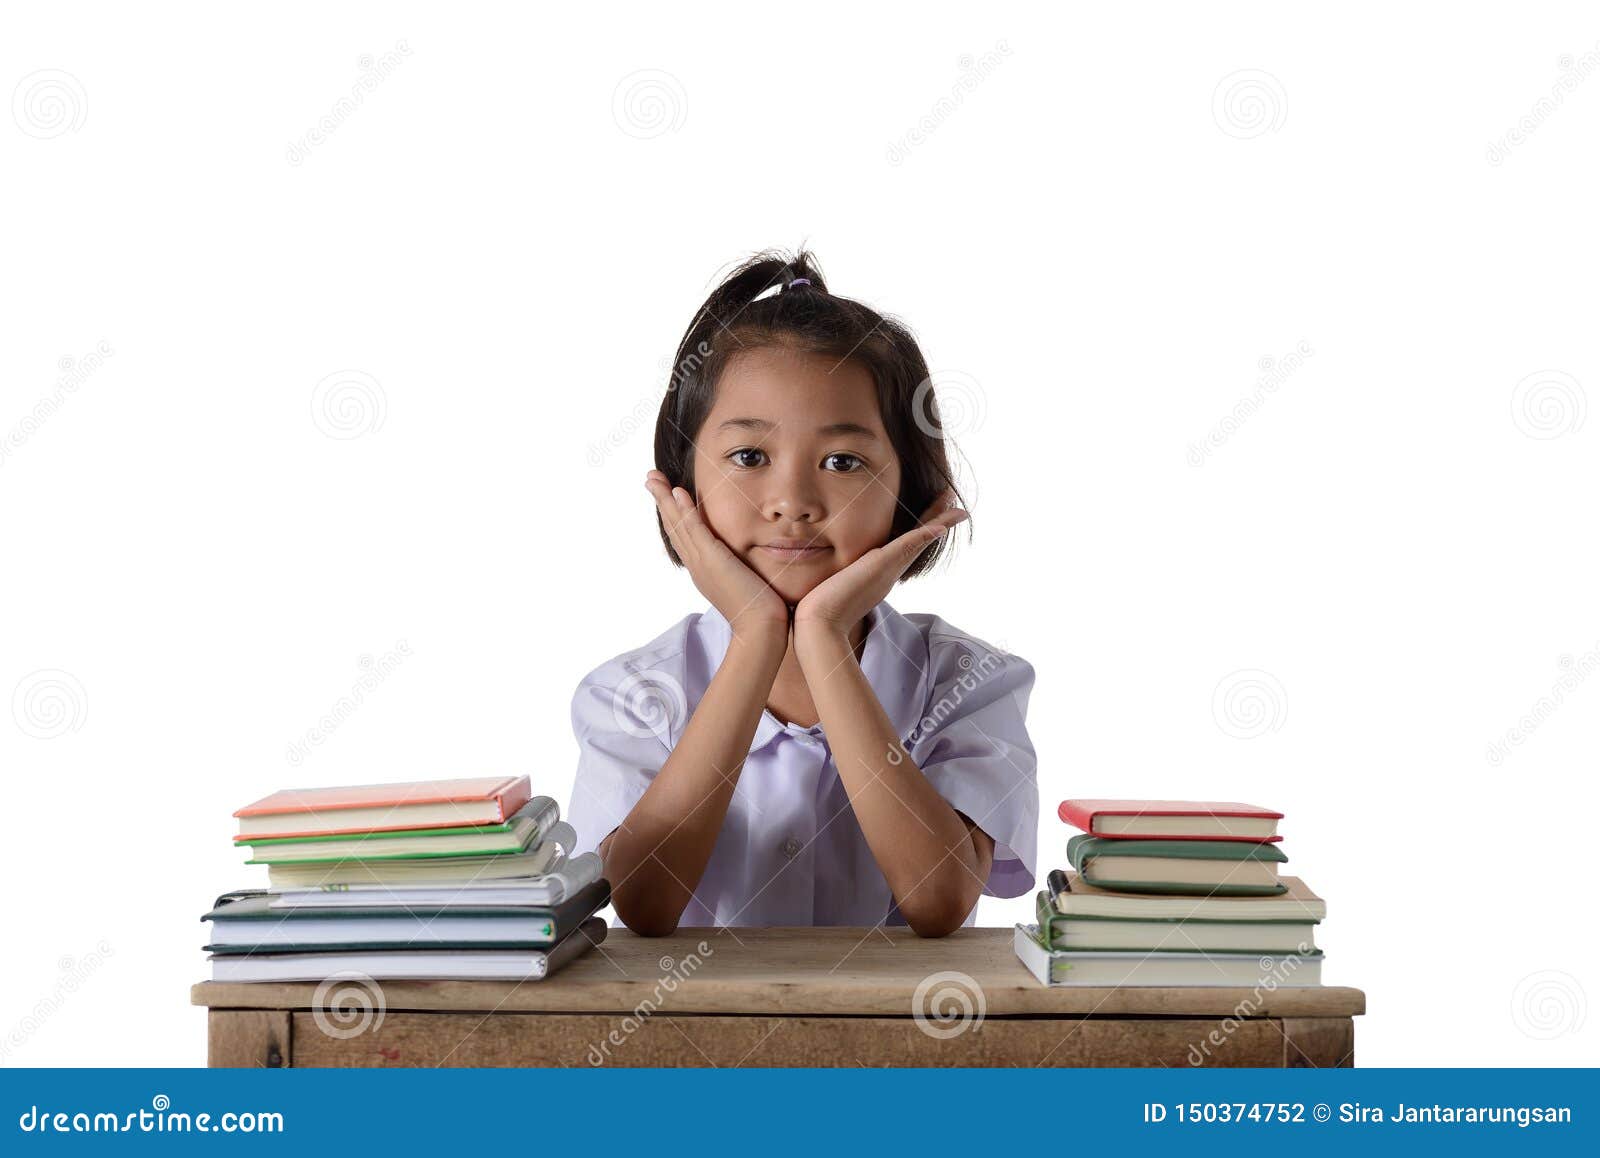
(793, 550)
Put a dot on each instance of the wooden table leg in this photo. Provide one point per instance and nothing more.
(249, 1038)
(1319, 1042)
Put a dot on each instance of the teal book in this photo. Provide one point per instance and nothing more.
(245, 922)
(1187, 867)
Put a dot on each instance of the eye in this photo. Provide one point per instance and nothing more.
(852, 462)
(743, 450)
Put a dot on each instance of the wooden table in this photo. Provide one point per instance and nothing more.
(827, 996)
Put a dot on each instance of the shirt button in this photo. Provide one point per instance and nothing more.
(791, 847)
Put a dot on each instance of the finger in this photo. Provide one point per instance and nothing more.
(685, 523)
(940, 522)
(671, 510)
(942, 502)
(911, 544)
(660, 494)
(689, 517)
(655, 482)
(694, 528)
(684, 506)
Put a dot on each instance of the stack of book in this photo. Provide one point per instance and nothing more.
(428, 880)
(1173, 893)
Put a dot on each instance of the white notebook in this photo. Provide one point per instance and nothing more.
(413, 964)
(1164, 969)
(565, 878)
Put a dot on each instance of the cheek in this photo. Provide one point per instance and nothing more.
(723, 506)
(867, 521)
(719, 520)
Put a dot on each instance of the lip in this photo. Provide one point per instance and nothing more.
(792, 550)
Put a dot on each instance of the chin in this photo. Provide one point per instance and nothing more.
(793, 592)
(792, 586)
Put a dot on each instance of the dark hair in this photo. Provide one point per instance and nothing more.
(809, 319)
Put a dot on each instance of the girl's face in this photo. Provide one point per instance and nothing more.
(793, 468)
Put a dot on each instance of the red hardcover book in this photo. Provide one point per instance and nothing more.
(1172, 819)
(360, 808)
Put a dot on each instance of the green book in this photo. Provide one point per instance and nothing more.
(517, 835)
(1188, 867)
(397, 834)
(1186, 934)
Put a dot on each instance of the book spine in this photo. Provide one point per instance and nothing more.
(1058, 884)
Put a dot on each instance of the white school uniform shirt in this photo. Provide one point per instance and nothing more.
(790, 850)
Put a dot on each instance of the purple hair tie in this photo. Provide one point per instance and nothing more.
(798, 281)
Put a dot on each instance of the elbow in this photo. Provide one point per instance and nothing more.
(645, 923)
(652, 927)
(632, 904)
(935, 921)
(940, 912)
(942, 903)
(935, 928)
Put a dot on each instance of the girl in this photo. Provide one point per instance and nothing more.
(800, 753)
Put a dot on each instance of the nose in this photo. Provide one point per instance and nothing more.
(792, 494)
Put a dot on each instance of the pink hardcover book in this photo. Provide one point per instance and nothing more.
(361, 808)
(1172, 819)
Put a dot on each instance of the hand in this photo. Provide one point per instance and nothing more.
(746, 600)
(837, 603)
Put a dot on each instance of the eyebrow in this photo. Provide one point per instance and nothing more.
(831, 428)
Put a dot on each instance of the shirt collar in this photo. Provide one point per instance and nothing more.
(894, 659)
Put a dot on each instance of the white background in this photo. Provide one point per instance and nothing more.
(1098, 243)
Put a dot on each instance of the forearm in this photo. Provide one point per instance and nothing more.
(923, 847)
(656, 858)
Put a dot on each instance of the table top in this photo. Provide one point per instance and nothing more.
(826, 970)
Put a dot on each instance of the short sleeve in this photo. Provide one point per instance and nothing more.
(619, 752)
(975, 751)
